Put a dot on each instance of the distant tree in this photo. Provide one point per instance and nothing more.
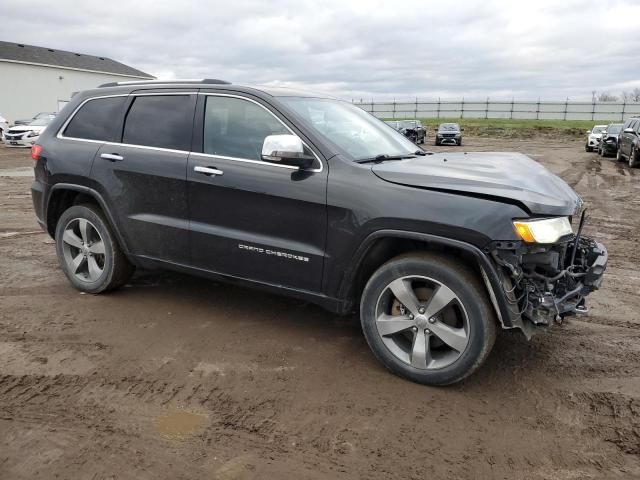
(631, 95)
(607, 97)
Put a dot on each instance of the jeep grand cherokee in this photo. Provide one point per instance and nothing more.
(315, 198)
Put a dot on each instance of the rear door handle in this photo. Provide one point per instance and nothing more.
(211, 171)
(114, 157)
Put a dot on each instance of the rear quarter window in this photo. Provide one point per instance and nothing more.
(98, 119)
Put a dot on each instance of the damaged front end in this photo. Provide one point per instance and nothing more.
(544, 283)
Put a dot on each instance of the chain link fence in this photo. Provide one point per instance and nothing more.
(504, 109)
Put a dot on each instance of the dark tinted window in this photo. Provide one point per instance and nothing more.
(162, 121)
(237, 128)
(97, 120)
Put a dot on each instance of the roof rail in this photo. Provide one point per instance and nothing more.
(213, 81)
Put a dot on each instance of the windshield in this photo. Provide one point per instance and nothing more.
(409, 123)
(41, 122)
(614, 128)
(350, 128)
(42, 115)
(598, 129)
(449, 127)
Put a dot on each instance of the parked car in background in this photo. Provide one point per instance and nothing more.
(629, 142)
(27, 135)
(449, 133)
(608, 144)
(39, 116)
(593, 137)
(4, 125)
(412, 129)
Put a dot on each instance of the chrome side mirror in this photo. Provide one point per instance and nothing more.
(286, 150)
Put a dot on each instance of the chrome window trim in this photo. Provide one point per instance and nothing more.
(60, 135)
(247, 160)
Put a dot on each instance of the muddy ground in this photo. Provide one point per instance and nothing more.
(174, 377)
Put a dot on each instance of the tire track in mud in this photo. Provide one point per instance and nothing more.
(24, 393)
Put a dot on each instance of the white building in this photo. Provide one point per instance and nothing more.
(37, 79)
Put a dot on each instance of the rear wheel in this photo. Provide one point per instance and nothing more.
(88, 252)
(427, 319)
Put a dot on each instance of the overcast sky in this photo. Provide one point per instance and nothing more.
(352, 49)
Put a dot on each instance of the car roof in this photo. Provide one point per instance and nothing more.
(273, 91)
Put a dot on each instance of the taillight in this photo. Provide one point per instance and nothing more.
(35, 151)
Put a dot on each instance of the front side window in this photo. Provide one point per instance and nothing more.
(96, 120)
(234, 127)
(162, 121)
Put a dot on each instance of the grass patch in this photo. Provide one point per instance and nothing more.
(516, 128)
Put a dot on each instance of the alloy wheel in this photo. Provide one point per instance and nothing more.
(422, 322)
(83, 250)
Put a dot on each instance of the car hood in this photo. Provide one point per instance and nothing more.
(27, 128)
(513, 177)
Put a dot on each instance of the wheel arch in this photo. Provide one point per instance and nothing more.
(65, 195)
(383, 245)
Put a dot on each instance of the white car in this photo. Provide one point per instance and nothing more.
(26, 135)
(4, 125)
(594, 136)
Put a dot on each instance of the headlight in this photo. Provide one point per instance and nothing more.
(547, 230)
(33, 134)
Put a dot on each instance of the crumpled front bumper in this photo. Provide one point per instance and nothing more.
(546, 283)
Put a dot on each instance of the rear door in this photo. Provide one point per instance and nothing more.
(253, 219)
(143, 175)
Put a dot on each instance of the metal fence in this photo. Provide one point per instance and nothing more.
(505, 109)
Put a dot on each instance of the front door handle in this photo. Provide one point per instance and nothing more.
(211, 171)
(113, 157)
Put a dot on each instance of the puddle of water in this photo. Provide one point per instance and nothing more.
(179, 424)
(17, 172)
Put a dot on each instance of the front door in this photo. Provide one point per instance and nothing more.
(249, 218)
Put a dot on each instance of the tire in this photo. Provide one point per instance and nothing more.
(634, 159)
(443, 365)
(587, 148)
(95, 272)
(437, 143)
(460, 142)
(619, 155)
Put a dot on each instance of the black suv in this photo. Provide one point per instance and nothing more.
(315, 198)
(629, 142)
(608, 144)
(412, 129)
(449, 133)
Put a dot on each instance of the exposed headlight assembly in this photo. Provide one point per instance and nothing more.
(547, 230)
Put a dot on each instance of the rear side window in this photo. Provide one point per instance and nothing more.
(97, 120)
(162, 121)
(234, 127)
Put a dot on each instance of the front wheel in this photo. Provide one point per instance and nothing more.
(619, 155)
(634, 159)
(427, 318)
(460, 142)
(88, 252)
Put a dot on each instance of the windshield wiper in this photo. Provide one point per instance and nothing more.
(422, 153)
(384, 157)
